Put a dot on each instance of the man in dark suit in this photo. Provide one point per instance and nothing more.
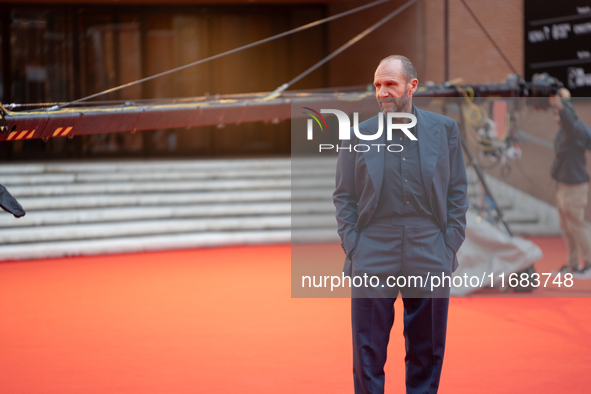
(401, 213)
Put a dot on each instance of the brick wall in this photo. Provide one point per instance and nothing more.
(401, 35)
(418, 33)
(472, 56)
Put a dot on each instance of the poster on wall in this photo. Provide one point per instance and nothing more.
(558, 42)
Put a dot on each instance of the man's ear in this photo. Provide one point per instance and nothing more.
(412, 86)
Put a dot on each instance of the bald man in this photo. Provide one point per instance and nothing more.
(401, 214)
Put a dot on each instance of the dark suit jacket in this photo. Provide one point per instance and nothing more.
(359, 180)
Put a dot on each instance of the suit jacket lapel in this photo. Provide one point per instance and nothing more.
(374, 160)
(428, 138)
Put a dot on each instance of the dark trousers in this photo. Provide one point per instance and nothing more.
(425, 323)
(400, 246)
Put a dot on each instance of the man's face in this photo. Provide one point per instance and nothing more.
(393, 91)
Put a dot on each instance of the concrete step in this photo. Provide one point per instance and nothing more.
(313, 221)
(315, 235)
(136, 166)
(534, 230)
(74, 216)
(21, 235)
(153, 199)
(43, 250)
(312, 194)
(313, 182)
(514, 216)
(161, 176)
(148, 187)
(313, 207)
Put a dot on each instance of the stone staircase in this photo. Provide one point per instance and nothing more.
(113, 207)
(90, 208)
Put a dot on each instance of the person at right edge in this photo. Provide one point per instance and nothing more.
(570, 171)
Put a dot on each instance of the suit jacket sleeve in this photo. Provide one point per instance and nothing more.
(457, 201)
(345, 198)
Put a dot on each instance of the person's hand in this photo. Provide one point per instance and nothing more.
(556, 99)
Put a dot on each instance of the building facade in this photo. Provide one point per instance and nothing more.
(56, 51)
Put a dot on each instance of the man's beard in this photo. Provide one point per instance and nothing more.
(399, 102)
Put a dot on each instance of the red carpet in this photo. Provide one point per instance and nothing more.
(222, 321)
